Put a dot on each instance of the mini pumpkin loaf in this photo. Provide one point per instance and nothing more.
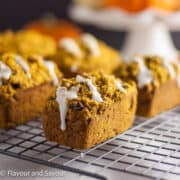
(27, 42)
(85, 54)
(25, 85)
(89, 109)
(158, 83)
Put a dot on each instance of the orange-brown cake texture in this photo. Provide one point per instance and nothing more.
(89, 109)
(85, 54)
(25, 85)
(158, 81)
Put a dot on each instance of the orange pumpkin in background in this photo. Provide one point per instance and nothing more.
(57, 29)
(169, 5)
(127, 5)
(139, 5)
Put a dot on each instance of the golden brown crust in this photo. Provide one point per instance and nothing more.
(163, 98)
(25, 105)
(83, 132)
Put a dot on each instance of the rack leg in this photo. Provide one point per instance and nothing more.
(149, 39)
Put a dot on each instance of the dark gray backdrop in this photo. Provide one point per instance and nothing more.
(15, 13)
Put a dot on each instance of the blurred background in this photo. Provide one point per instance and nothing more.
(15, 13)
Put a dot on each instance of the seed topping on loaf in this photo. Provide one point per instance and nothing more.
(5, 72)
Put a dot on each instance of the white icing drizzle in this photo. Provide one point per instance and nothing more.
(120, 86)
(62, 97)
(91, 43)
(145, 75)
(74, 68)
(5, 72)
(96, 95)
(19, 60)
(169, 66)
(50, 67)
(70, 46)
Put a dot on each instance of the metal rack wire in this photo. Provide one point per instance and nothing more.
(150, 150)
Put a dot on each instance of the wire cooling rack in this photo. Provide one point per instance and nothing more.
(149, 150)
